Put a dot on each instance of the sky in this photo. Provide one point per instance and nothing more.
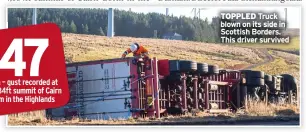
(293, 13)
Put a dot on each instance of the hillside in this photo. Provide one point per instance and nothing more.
(80, 47)
(293, 32)
(91, 47)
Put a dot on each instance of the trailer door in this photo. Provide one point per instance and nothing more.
(103, 90)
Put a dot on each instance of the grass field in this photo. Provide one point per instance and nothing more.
(284, 63)
(89, 47)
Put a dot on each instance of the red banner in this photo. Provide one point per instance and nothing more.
(32, 69)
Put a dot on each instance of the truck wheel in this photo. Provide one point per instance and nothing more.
(188, 66)
(288, 83)
(174, 65)
(256, 74)
(255, 81)
(202, 68)
(288, 77)
(268, 78)
(213, 69)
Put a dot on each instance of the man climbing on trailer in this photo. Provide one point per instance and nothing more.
(138, 51)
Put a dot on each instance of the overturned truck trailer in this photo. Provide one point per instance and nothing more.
(126, 88)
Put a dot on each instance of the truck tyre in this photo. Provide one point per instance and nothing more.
(256, 74)
(202, 68)
(255, 81)
(268, 78)
(188, 66)
(288, 83)
(213, 69)
(174, 65)
(288, 77)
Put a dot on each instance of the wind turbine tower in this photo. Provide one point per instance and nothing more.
(34, 16)
(194, 10)
(167, 11)
(286, 18)
(110, 24)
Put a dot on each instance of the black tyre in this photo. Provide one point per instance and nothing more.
(256, 74)
(255, 81)
(188, 66)
(202, 68)
(174, 65)
(213, 69)
(288, 83)
(289, 77)
(268, 78)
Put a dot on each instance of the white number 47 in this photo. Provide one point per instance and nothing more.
(17, 46)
